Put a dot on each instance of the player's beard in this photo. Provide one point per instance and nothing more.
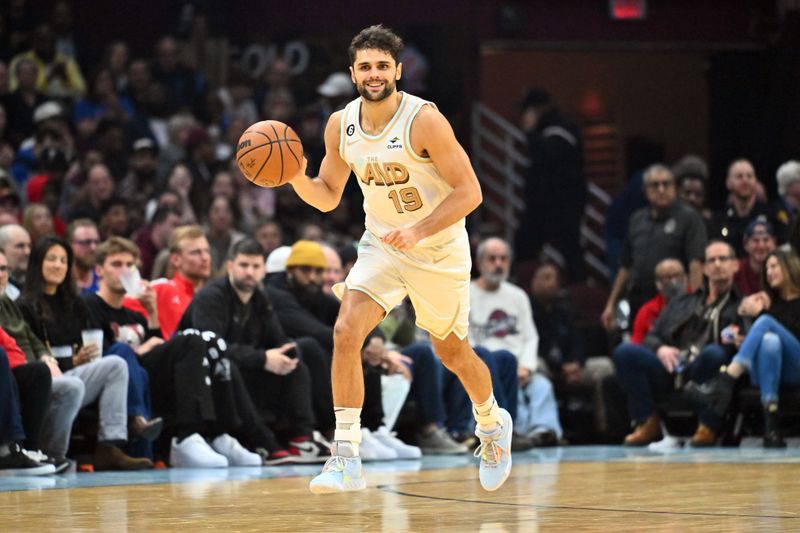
(388, 89)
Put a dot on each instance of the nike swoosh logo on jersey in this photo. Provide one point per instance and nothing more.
(349, 143)
(436, 261)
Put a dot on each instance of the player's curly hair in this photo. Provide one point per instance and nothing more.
(376, 37)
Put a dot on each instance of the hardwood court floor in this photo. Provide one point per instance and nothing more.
(715, 491)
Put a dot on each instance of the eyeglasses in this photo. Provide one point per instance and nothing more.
(720, 259)
(87, 242)
(667, 184)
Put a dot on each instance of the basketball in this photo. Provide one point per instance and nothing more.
(269, 153)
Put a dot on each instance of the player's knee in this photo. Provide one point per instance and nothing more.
(347, 337)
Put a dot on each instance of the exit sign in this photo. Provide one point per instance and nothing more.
(627, 9)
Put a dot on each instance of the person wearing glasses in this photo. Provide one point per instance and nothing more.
(84, 237)
(683, 344)
(666, 227)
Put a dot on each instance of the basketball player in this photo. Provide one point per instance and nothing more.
(418, 186)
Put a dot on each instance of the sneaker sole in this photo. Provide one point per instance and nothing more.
(324, 489)
(42, 470)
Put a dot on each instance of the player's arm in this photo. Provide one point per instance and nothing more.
(325, 191)
(432, 134)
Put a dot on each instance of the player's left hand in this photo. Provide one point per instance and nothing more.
(402, 239)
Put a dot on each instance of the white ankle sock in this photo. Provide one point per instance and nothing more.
(348, 426)
(487, 414)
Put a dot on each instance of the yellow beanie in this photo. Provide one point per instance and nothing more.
(306, 253)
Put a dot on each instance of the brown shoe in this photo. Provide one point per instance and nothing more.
(109, 457)
(644, 434)
(141, 428)
(703, 437)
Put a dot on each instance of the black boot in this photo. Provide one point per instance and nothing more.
(772, 428)
(716, 393)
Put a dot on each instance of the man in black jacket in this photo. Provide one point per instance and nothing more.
(236, 310)
(683, 344)
(555, 188)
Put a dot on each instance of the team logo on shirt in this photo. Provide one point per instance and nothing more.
(393, 144)
(500, 324)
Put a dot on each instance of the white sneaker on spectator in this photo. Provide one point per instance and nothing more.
(194, 452)
(371, 449)
(390, 440)
(236, 454)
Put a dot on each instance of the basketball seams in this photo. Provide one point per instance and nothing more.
(288, 146)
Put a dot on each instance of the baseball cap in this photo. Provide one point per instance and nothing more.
(276, 261)
(144, 143)
(306, 253)
(46, 111)
(759, 225)
(337, 84)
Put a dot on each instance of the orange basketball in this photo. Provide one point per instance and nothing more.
(269, 153)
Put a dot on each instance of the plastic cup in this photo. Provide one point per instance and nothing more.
(131, 281)
(93, 336)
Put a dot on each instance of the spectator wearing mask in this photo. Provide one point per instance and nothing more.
(670, 282)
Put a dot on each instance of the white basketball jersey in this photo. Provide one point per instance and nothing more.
(400, 187)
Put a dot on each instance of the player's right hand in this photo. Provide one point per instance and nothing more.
(300, 173)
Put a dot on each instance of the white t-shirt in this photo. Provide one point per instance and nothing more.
(503, 320)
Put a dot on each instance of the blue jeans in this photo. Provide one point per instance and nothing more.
(537, 410)
(503, 369)
(138, 381)
(771, 354)
(426, 385)
(645, 381)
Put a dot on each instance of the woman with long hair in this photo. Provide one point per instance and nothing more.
(50, 304)
(770, 351)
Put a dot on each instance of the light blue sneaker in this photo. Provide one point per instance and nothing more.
(340, 474)
(495, 453)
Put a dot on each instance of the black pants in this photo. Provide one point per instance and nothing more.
(24, 397)
(283, 400)
(180, 386)
(372, 411)
(318, 362)
(33, 382)
(236, 412)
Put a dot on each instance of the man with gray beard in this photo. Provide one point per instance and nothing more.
(501, 327)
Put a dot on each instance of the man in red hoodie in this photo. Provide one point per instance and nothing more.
(190, 259)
